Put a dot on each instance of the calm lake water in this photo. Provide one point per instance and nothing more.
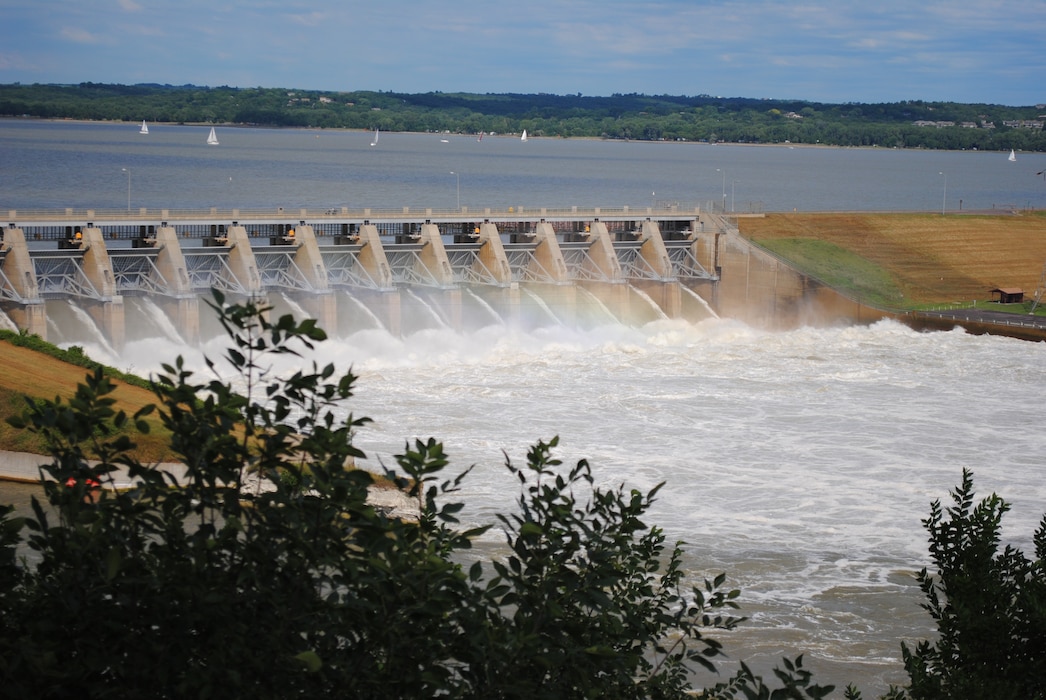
(800, 463)
(83, 165)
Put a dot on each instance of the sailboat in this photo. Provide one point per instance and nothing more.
(524, 136)
(1013, 156)
(375, 141)
(144, 129)
(212, 138)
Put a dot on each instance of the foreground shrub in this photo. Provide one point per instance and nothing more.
(989, 607)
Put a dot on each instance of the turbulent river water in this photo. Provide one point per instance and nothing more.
(799, 463)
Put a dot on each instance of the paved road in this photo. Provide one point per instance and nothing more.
(1022, 326)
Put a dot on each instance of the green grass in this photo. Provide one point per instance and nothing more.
(1022, 309)
(31, 367)
(839, 268)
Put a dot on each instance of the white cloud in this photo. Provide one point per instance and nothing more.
(311, 19)
(80, 36)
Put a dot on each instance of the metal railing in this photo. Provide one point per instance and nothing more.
(319, 214)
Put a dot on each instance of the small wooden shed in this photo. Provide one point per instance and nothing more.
(1008, 295)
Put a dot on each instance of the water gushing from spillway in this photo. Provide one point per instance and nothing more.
(650, 303)
(605, 315)
(700, 300)
(293, 307)
(70, 324)
(144, 318)
(494, 317)
(6, 323)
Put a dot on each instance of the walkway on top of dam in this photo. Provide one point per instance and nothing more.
(322, 218)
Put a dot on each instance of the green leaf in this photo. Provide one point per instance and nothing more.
(311, 659)
(530, 529)
(113, 560)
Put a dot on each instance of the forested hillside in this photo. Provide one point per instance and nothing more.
(911, 124)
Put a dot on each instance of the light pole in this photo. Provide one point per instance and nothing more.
(732, 183)
(128, 187)
(723, 170)
(944, 197)
(457, 180)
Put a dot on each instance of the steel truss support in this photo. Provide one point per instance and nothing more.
(211, 269)
(408, 267)
(277, 269)
(468, 267)
(344, 268)
(525, 265)
(60, 273)
(136, 271)
(685, 264)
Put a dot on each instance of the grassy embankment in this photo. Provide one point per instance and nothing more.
(912, 261)
(30, 367)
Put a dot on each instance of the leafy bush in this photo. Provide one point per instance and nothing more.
(262, 571)
(990, 608)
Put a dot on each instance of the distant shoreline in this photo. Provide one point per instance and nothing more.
(234, 125)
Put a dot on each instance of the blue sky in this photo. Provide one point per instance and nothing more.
(820, 50)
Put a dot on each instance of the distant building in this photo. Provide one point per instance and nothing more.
(1023, 123)
(1008, 295)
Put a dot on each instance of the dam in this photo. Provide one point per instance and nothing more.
(345, 267)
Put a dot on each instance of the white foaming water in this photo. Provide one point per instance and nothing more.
(800, 463)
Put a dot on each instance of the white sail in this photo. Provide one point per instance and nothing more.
(375, 141)
(524, 136)
(144, 129)
(212, 138)
(1013, 156)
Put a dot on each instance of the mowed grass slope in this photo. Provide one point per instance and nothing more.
(930, 258)
(27, 372)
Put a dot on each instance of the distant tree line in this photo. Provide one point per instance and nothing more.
(632, 116)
